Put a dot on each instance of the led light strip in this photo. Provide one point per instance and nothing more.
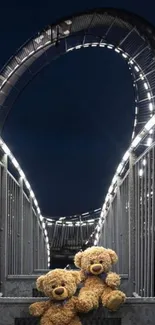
(72, 223)
(141, 170)
(70, 219)
(21, 60)
(132, 64)
(113, 187)
(22, 175)
(39, 40)
(135, 140)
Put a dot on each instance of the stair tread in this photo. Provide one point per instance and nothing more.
(85, 321)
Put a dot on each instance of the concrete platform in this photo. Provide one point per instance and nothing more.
(136, 311)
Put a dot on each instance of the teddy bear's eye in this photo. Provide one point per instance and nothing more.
(100, 261)
(91, 262)
(53, 286)
(63, 284)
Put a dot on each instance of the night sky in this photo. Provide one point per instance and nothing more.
(72, 124)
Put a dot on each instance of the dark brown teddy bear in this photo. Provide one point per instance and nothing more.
(62, 307)
(99, 283)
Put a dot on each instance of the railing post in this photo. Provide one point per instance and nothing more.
(118, 226)
(4, 225)
(21, 220)
(42, 249)
(31, 238)
(38, 246)
(131, 225)
(81, 232)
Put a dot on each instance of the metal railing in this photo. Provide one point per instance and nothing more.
(129, 225)
(23, 246)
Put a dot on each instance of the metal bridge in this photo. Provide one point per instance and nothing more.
(68, 235)
(126, 220)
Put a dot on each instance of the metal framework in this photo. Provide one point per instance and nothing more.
(127, 34)
(24, 243)
(68, 235)
(130, 223)
(72, 233)
(128, 209)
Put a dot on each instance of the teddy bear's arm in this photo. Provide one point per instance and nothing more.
(38, 308)
(113, 280)
(81, 306)
(77, 305)
(87, 300)
(82, 275)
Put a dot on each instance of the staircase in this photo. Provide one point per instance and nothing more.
(136, 311)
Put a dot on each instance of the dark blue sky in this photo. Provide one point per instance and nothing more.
(72, 124)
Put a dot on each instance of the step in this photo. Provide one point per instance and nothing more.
(85, 321)
(22, 285)
(136, 311)
(37, 293)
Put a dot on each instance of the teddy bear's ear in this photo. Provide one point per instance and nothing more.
(113, 256)
(77, 276)
(77, 259)
(39, 283)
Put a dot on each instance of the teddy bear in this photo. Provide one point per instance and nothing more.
(62, 307)
(100, 284)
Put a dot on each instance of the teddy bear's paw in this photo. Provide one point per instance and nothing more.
(34, 310)
(84, 305)
(115, 300)
(113, 280)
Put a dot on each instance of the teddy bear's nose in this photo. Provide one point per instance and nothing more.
(59, 291)
(96, 268)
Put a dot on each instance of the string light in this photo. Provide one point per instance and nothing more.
(136, 141)
(39, 43)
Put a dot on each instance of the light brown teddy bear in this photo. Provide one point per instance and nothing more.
(99, 283)
(62, 307)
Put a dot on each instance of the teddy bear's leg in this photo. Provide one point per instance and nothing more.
(75, 321)
(112, 299)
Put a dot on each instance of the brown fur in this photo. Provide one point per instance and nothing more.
(52, 312)
(95, 288)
